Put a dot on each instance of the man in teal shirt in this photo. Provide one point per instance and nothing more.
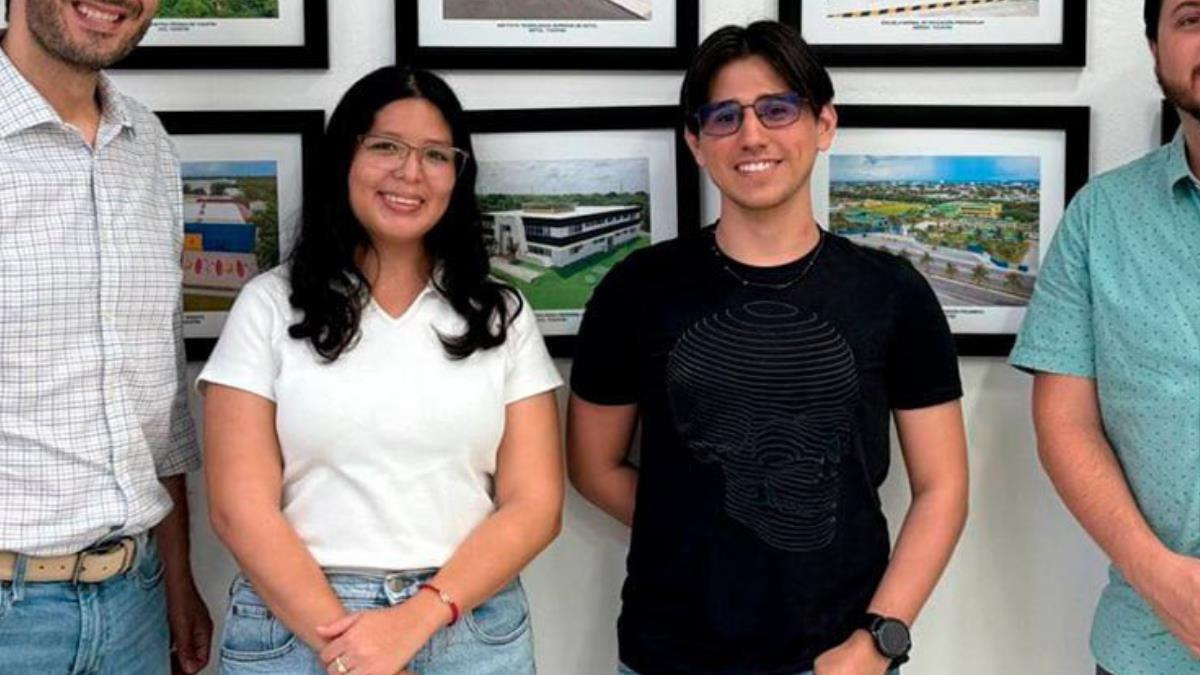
(1113, 335)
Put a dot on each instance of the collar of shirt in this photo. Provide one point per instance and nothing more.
(430, 289)
(23, 107)
(1177, 168)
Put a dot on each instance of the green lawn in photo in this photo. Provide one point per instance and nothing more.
(218, 9)
(570, 287)
(888, 208)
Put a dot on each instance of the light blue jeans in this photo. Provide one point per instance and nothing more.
(493, 639)
(117, 627)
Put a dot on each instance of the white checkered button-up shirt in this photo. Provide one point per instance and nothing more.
(93, 401)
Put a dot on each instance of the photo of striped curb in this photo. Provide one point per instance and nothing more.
(907, 9)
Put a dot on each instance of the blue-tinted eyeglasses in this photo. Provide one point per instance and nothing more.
(724, 118)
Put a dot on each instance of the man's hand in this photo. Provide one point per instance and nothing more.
(855, 656)
(191, 629)
(381, 641)
(1172, 587)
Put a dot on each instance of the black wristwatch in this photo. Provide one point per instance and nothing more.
(891, 636)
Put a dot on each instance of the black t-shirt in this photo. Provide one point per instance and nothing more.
(758, 538)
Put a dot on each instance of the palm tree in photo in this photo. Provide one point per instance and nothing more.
(979, 274)
(1013, 281)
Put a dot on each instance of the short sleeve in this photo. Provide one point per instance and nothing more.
(922, 368)
(605, 367)
(247, 355)
(1056, 335)
(529, 369)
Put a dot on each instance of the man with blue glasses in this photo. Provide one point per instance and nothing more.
(763, 359)
(1113, 337)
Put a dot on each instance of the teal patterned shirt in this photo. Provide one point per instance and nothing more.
(1118, 300)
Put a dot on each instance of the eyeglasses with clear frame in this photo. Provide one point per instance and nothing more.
(774, 111)
(390, 153)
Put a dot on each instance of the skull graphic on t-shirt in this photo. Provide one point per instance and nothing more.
(768, 392)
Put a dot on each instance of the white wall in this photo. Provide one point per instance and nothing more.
(1019, 593)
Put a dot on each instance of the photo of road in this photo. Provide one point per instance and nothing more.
(862, 9)
(600, 10)
(970, 224)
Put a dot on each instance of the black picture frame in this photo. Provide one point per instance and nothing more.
(1073, 121)
(313, 54)
(1071, 52)
(1170, 121)
(409, 49)
(309, 125)
(547, 120)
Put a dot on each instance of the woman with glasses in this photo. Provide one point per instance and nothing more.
(381, 431)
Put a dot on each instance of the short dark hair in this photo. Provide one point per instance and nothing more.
(1151, 11)
(779, 44)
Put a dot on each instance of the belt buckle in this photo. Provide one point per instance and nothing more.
(98, 550)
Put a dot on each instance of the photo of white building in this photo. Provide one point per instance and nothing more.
(555, 227)
(556, 235)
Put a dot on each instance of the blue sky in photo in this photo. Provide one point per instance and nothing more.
(933, 168)
(228, 169)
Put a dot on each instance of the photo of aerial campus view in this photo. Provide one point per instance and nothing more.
(231, 230)
(596, 10)
(218, 9)
(554, 228)
(970, 224)
(926, 9)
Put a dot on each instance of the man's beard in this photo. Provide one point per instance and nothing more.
(1179, 94)
(50, 32)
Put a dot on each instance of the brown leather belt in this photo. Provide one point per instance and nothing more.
(88, 567)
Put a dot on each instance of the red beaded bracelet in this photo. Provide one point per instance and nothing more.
(446, 600)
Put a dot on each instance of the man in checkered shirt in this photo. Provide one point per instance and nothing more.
(95, 436)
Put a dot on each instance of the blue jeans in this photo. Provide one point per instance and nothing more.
(116, 627)
(493, 639)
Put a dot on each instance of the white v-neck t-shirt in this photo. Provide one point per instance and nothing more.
(389, 452)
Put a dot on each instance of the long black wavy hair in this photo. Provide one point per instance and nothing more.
(328, 286)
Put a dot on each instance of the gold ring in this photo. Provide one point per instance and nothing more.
(340, 665)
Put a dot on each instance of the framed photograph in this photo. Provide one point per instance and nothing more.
(568, 193)
(970, 195)
(1170, 121)
(561, 34)
(208, 34)
(942, 33)
(245, 177)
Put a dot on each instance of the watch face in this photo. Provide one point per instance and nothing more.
(893, 638)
